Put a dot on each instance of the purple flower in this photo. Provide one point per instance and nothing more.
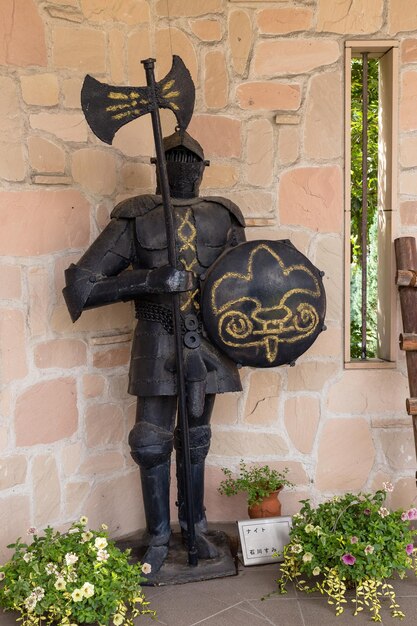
(412, 514)
(409, 548)
(348, 559)
(367, 511)
(404, 516)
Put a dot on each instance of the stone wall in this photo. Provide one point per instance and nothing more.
(269, 114)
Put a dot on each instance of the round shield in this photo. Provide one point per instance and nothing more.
(263, 303)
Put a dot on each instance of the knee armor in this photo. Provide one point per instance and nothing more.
(150, 445)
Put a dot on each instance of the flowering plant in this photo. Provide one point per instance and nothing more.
(258, 482)
(350, 541)
(79, 577)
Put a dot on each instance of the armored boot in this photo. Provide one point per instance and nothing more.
(199, 445)
(151, 448)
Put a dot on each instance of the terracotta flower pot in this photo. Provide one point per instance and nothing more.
(269, 507)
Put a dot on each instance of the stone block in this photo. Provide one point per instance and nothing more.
(404, 494)
(207, 29)
(107, 318)
(345, 456)
(402, 17)
(46, 412)
(293, 56)
(65, 126)
(330, 342)
(208, 128)
(188, 8)
(54, 221)
(131, 12)
(4, 438)
(246, 443)
(220, 176)
(10, 282)
(226, 408)
(76, 493)
(254, 204)
(216, 84)
(22, 34)
(117, 503)
(312, 197)
(408, 212)
(310, 375)
(240, 39)
(104, 424)
(12, 162)
(138, 48)
(408, 101)
(95, 170)
(15, 519)
(380, 391)
(222, 508)
(12, 471)
(71, 456)
(136, 176)
(329, 259)
(118, 387)
(71, 90)
(111, 357)
(350, 16)
(93, 385)
(288, 149)
(323, 132)
(40, 89)
(408, 151)
(409, 51)
(13, 358)
(63, 353)
(408, 183)
(171, 41)
(302, 415)
(81, 49)
(291, 500)
(102, 463)
(280, 21)
(260, 153)
(287, 119)
(46, 490)
(45, 155)
(398, 448)
(262, 401)
(269, 96)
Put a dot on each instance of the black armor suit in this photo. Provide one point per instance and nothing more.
(136, 237)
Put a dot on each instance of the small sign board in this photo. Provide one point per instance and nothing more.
(261, 538)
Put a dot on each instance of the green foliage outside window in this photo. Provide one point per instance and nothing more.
(356, 209)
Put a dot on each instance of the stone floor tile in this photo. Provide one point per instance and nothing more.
(281, 611)
(234, 616)
(408, 606)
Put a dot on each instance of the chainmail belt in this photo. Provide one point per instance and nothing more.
(152, 312)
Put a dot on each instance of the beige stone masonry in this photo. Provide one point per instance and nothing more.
(350, 16)
(345, 455)
(259, 154)
(66, 353)
(13, 358)
(174, 41)
(39, 300)
(263, 398)
(93, 385)
(65, 13)
(408, 102)
(408, 212)
(240, 39)
(246, 443)
(130, 12)
(81, 49)
(102, 463)
(46, 489)
(408, 154)
(12, 166)
(12, 471)
(103, 319)
(116, 56)
(95, 170)
(65, 126)
(401, 17)
(288, 145)
(310, 375)
(207, 128)
(398, 448)
(226, 408)
(207, 29)
(293, 56)
(46, 412)
(51, 180)
(268, 95)
(75, 496)
(409, 51)
(188, 8)
(254, 203)
(284, 20)
(10, 282)
(71, 90)
(15, 516)
(216, 83)
(138, 48)
(104, 425)
(323, 132)
(40, 89)
(378, 392)
(45, 155)
(22, 34)
(220, 176)
(302, 415)
(287, 119)
(112, 357)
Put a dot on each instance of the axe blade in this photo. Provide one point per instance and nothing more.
(107, 108)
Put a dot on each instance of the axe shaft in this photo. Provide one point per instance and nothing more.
(149, 65)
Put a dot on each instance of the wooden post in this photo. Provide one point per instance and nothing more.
(406, 257)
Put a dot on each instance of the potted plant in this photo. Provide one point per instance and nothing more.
(261, 484)
(350, 542)
(79, 577)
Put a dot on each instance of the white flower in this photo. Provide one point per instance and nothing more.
(51, 568)
(71, 558)
(316, 571)
(102, 555)
(100, 543)
(28, 557)
(77, 595)
(71, 577)
(383, 511)
(83, 520)
(88, 590)
(72, 531)
(309, 528)
(60, 583)
(388, 486)
(307, 557)
(86, 536)
(296, 548)
(118, 619)
(104, 527)
(146, 568)
(39, 593)
(2, 575)
(30, 602)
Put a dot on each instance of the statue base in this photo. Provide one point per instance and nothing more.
(176, 570)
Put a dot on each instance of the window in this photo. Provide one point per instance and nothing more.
(370, 202)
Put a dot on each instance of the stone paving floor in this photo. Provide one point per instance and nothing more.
(237, 601)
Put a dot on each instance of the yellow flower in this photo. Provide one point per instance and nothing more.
(83, 520)
(77, 595)
(60, 584)
(100, 543)
(118, 619)
(88, 590)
